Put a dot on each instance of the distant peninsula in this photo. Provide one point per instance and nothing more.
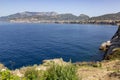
(54, 17)
(43, 17)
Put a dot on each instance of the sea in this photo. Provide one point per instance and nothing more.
(26, 44)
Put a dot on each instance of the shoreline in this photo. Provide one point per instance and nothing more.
(61, 23)
(104, 70)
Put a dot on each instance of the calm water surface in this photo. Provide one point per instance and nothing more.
(28, 44)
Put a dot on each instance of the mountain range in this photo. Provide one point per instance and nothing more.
(56, 17)
(38, 16)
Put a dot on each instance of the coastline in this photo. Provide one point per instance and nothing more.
(108, 22)
(104, 70)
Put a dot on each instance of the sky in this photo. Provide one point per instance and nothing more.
(76, 7)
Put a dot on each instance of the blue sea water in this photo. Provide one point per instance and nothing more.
(28, 44)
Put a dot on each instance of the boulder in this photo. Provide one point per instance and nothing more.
(104, 46)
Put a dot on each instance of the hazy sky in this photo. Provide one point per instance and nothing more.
(89, 7)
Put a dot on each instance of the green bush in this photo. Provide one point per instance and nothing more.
(32, 74)
(6, 75)
(58, 72)
(54, 72)
(97, 65)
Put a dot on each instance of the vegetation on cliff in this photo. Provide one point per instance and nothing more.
(57, 69)
(114, 55)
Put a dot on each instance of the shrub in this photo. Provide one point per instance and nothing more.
(61, 72)
(98, 64)
(6, 75)
(32, 74)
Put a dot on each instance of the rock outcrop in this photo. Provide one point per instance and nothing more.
(104, 46)
(112, 47)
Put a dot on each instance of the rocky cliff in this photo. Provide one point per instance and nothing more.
(112, 47)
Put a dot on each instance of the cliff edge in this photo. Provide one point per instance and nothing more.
(112, 47)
